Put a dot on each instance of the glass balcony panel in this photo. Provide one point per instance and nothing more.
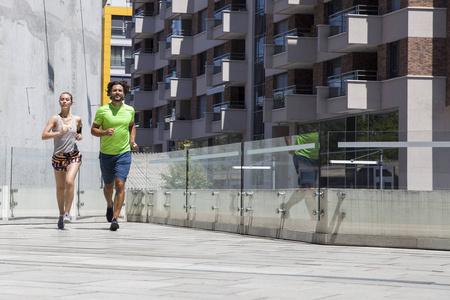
(280, 39)
(91, 202)
(166, 174)
(35, 196)
(269, 171)
(360, 167)
(337, 82)
(338, 21)
(215, 179)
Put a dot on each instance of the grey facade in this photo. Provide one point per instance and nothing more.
(48, 47)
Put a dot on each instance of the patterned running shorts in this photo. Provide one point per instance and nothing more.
(60, 161)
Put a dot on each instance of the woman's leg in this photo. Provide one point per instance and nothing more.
(60, 178)
(72, 171)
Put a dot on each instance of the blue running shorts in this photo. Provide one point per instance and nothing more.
(115, 166)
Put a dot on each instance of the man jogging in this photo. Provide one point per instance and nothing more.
(114, 124)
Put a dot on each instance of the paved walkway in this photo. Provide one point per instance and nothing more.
(147, 261)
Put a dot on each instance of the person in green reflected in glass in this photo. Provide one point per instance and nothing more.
(306, 161)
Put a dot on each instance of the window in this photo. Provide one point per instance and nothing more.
(395, 5)
(394, 60)
(259, 47)
(201, 62)
(119, 26)
(118, 55)
(159, 38)
(202, 15)
(201, 107)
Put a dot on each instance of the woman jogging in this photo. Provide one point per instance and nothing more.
(65, 129)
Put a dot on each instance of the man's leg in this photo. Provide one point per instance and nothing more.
(119, 197)
(107, 167)
(108, 190)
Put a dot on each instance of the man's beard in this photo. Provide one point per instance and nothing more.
(119, 100)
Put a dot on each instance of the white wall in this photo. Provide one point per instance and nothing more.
(48, 47)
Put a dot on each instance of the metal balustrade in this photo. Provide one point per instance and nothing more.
(338, 21)
(337, 82)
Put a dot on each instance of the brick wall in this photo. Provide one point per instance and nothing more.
(382, 64)
(319, 77)
(270, 29)
(425, 56)
(269, 86)
(424, 3)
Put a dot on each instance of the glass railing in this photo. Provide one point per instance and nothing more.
(279, 95)
(337, 82)
(32, 186)
(169, 77)
(280, 39)
(218, 14)
(262, 178)
(217, 108)
(146, 50)
(232, 56)
(119, 31)
(338, 21)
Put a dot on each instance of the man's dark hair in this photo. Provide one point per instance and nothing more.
(123, 83)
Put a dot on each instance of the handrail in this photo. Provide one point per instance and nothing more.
(338, 20)
(337, 82)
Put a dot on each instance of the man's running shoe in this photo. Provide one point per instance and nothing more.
(67, 218)
(61, 222)
(114, 225)
(109, 213)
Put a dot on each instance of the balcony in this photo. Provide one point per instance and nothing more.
(357, 29)
(180, 130)
(144, 136)
(295, 49)
(188, 6)
(142, 62)
(165, 9)
(230, 22)
(230, 67)
(142, 97)
(290, 7)
(352, 92)
(226, 117)
(291, 104)
(175, 88)
(143, 27)
(178, 45)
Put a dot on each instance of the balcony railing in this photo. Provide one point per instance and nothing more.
(142, 50)
(279, 95)
(337, 82)
(177, 32)
(144, 13)
(231, 56)
(217, 108)
(338, 21)
(218, 16)
(280, 39)
(119, 31)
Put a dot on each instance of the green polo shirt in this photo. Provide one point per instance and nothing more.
(109, 116)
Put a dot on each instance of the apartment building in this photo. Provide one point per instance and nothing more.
(116, 46)
(222, 71)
